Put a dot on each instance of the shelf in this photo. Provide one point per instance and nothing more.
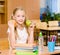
(2, 0)
(1, 5)
(2, 12)
(2, 9)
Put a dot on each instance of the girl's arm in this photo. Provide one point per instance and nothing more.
(31, 37)
(31, 33)
(12, 39)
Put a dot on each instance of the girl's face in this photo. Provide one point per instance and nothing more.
(19, 16)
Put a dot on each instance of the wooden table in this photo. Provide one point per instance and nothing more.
(44, 52)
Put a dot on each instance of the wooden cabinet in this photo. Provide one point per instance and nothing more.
(3, 17)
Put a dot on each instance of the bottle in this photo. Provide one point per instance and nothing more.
(40, 42)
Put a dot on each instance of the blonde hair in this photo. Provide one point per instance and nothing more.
(14, 11)
(18, 8)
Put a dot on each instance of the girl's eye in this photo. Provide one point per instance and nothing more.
(23, 16)
(18, 16)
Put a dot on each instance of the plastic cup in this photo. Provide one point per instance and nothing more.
(51, 46)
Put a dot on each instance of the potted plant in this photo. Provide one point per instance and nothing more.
(56, 16)
(46, 16)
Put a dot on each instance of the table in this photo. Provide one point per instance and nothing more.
(51, 31)
(45, 52)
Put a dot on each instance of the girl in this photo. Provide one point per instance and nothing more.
(19, 34)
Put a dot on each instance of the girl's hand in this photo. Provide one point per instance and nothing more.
(31, 27)
(30, 45)
(11, 24)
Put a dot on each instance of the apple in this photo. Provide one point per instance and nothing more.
(14, 22)
(28, 22)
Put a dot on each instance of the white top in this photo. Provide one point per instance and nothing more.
(22, 35)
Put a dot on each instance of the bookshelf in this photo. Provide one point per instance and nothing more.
(3, 17)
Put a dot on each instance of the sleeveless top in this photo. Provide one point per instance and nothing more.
(22, 38)
(22, 35)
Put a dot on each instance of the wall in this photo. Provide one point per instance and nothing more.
(58, 5)
(42, 6)
(54, 6)
(12, 4)
(31, 7)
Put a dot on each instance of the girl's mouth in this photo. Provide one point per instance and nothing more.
(20, 20)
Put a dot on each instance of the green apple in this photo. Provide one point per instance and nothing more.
(28, 22)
